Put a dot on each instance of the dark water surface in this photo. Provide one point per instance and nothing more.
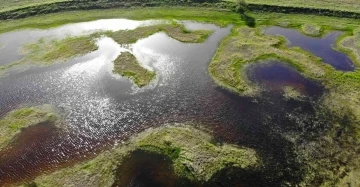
(274, 76)
(321, 47)
(100, 108)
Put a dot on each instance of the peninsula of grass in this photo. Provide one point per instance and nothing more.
(176, 31)
(46, 52)
(343, 5)
(193, 154)
(12, 123)
(127, 66)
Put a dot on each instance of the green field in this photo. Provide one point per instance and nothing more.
(348, 5)
(6, 5)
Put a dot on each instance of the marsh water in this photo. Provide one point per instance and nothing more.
(101, 109)
(275, 75)
(323, 47)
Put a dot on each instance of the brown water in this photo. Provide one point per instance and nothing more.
(100, 108)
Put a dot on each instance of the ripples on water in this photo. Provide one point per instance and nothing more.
(101, 108)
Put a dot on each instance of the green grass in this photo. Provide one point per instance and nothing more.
(184, 145)
(46, 52)
(12, 123)
(311, 30)
(7, 5)
(52, 20)
(127, 66)
(174, 30)
(347, 5)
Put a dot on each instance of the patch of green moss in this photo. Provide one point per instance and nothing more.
(127, 66)
(191, 151)
(12, 123)
(292, 93)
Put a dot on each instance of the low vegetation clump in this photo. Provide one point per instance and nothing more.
(191, 151)
(311, 29)
(12, 123)
(292, 93)
(127, 65)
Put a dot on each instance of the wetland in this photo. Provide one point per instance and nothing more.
(123, 102)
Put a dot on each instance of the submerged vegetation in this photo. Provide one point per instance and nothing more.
(126, 65)
(13, 122)
(192, 153)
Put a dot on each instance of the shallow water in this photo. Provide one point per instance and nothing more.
(321, 47)
(100, 108)
(275, 75)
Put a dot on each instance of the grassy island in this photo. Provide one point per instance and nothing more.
(126, 65)
(193, 154)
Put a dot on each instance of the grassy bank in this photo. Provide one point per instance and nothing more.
(13, 122)
(191, 151)
(179, 13)
(7, 5)
(344, 5)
